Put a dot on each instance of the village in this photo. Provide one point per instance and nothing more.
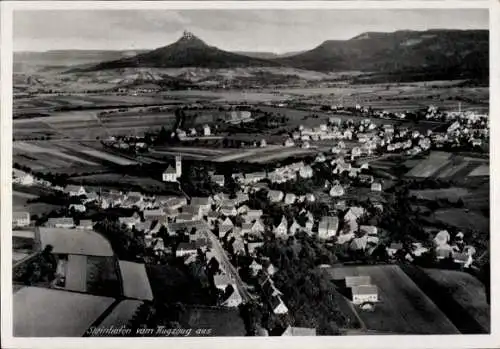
(227, 232)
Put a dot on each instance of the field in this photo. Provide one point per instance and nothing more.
(65, 156)
(461, 219)
(403, 307)
(220, 321)
(115, 180)
(253, 155)
(460, 295)
(443, 165)
(20, 203)
(451, 194)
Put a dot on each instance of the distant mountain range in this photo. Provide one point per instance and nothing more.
(450, 52)
(432, 54)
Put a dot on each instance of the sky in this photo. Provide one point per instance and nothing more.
(236, 30)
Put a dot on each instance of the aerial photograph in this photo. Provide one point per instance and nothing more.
(231, 172)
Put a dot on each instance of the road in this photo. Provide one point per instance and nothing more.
(229, 267)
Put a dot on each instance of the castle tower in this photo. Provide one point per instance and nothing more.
(178, 166)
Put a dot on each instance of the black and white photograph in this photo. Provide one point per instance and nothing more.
(250, 172)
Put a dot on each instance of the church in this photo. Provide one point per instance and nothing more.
(171, 174)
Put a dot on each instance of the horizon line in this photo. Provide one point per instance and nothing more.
(252, 51)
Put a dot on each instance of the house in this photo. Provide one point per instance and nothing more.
(444, 251)
(157, 214)
(22, 178)
(464, 259)
(185, 217)
(62, 222)
(74, 190)
(356, 152)
(252, 246)
(305, 145)
(442, 238)
(275, 195)
(186, 248)
(290, 198)
(370, 230)
(393, 248)
(174, 202)
(254, 177)
(237, 176)
(228, 210)
(418, 249)
(282, 228)
(91, 197)
(359, 243)
(218, 179)
(299, 331)
(253, 215)
(226, 226)
(320, 158)
(364, 293)
(234, 299)
(306, 172)
(294, 228)
(277, 305)
(353, 213)
(85, 224)
(376, 186)
(289, 142)
(310, 197)
(328, 227)
(205, 204)
(255, 267)
(129, 221)
(20, 219)
(337, 190)
(358, 280)
(206, 131)
(221, 281)
(77, 208)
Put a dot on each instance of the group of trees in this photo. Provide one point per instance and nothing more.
(311, 299)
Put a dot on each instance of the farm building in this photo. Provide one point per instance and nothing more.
(22, 178)
(328, 227)
(364, 293)
(294, 228)
(20, 219)
(290, 198)
(277, 305)
(337, 190)
(442, 238)
(275, 195)
(218, 179)
(75, 190)
(186, 248)
(282, 228)
(85, 224)
(351, 281)
(62, 222)
(206, 131)
(77, 208)
(255, 267)
(393, 248)
(376, 186)
(368, 229)
(444, 251)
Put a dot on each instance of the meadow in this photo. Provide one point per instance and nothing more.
(403, 307)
